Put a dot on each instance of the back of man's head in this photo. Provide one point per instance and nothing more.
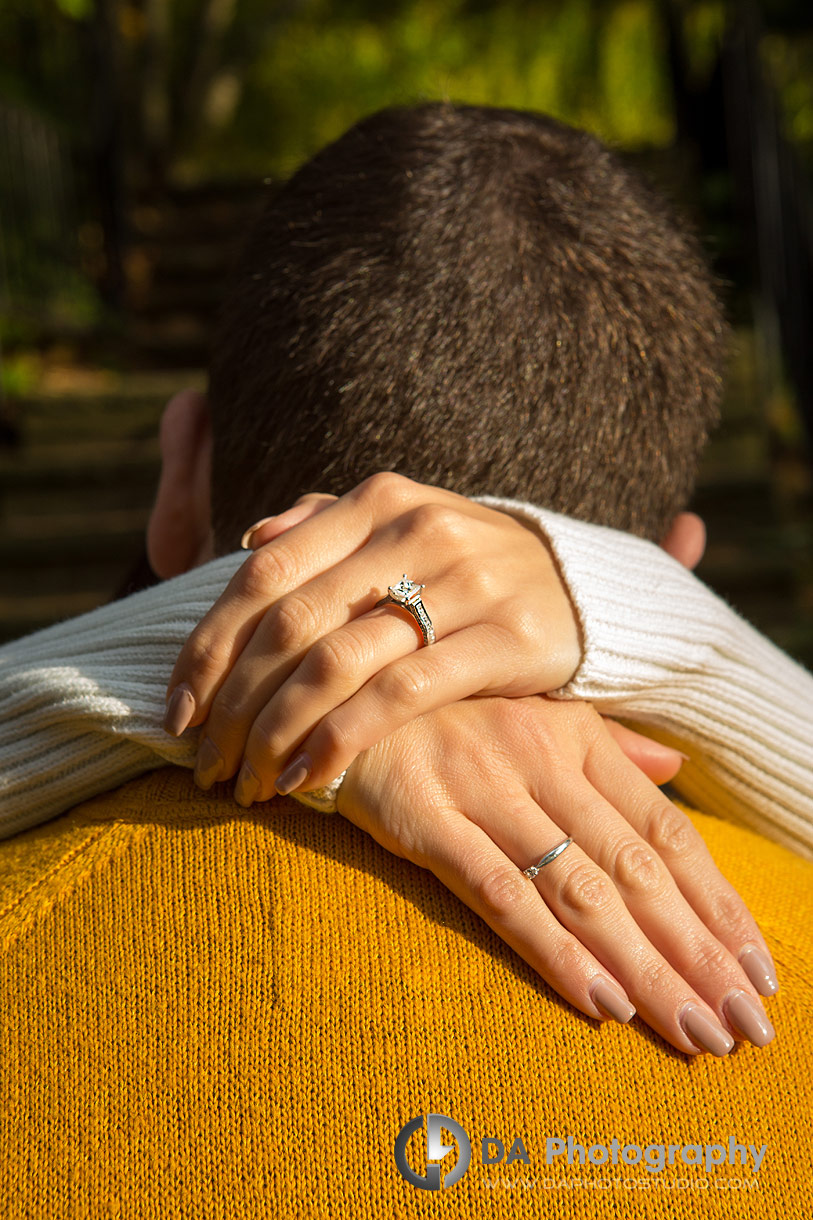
(480, 298)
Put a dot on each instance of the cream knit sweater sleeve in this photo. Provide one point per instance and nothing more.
(81, 703)
(664, 652)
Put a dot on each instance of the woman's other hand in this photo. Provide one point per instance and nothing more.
(633, 913)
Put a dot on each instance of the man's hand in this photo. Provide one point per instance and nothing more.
(294, 660)
(480, 791)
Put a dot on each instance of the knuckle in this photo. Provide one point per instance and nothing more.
(519, 715)
(292, 625)
(656, 980)
(537, 722)
(481, 581)
(407, 687)
(508, 715)
(205, 657)
(585, 890)
(638, 870)
(568, 959)
(333, 655)
(439, 523)
(264, 571)
(710, 958)
(501, 891)
(541, 731)
(386, 490)
(527, 626)
(728, 911)
(669, 831)
(334, 740)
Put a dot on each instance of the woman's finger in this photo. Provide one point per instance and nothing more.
(314, 652)
(465, 663)
(659, 909)
(290, 561)
(587, 901)
(312, 630)
(580, 938)
(275, 700)
(670, 833)
(269, 528)
(659, 763)
(466, 859)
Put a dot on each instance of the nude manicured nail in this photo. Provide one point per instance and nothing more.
(704, 1031)
(745, 1014)
(208, 764)
(294, 774)
(245, 541)
(180, 710)
(247, 786)
(760, 970)
(612, 1001)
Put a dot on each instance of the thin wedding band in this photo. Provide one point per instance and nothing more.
(546, 859)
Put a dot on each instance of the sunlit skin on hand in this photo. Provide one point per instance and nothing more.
(294, 659)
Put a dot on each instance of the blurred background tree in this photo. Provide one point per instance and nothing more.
(135, 137)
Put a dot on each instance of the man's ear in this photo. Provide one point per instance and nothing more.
(686, 540)
(179, 535)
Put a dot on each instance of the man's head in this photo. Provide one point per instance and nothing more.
(479, 298)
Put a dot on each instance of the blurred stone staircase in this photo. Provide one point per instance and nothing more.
(78, 469)
(180, 251)
(75, 496)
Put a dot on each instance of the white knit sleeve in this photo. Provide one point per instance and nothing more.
(661, 650)
(81, 703)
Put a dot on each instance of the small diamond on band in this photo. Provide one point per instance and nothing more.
(546, 859)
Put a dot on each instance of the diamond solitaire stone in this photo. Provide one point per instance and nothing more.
(407, 591)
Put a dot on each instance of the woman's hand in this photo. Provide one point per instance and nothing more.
(298, 672)
(633, 912)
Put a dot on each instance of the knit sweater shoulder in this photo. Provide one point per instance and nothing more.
(81, 703)
(212, 1014)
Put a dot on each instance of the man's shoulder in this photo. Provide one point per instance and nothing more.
(160, 840)
(49, 863)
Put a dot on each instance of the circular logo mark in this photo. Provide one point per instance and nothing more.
(436, 1150)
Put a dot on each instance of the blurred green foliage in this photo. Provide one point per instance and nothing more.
(235, 88)
(601, 67)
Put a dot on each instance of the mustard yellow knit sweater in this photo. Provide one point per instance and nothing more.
(208, 1012)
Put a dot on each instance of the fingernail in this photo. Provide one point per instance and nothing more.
(760, 970)
(247, 786)
(245, 541)
(180, 710)
(704, 1031)
(746, 1015)
(609, 999)
(685, 757)
(294, 774)
(208, 764)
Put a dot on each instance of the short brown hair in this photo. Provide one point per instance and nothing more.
(484, 299)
